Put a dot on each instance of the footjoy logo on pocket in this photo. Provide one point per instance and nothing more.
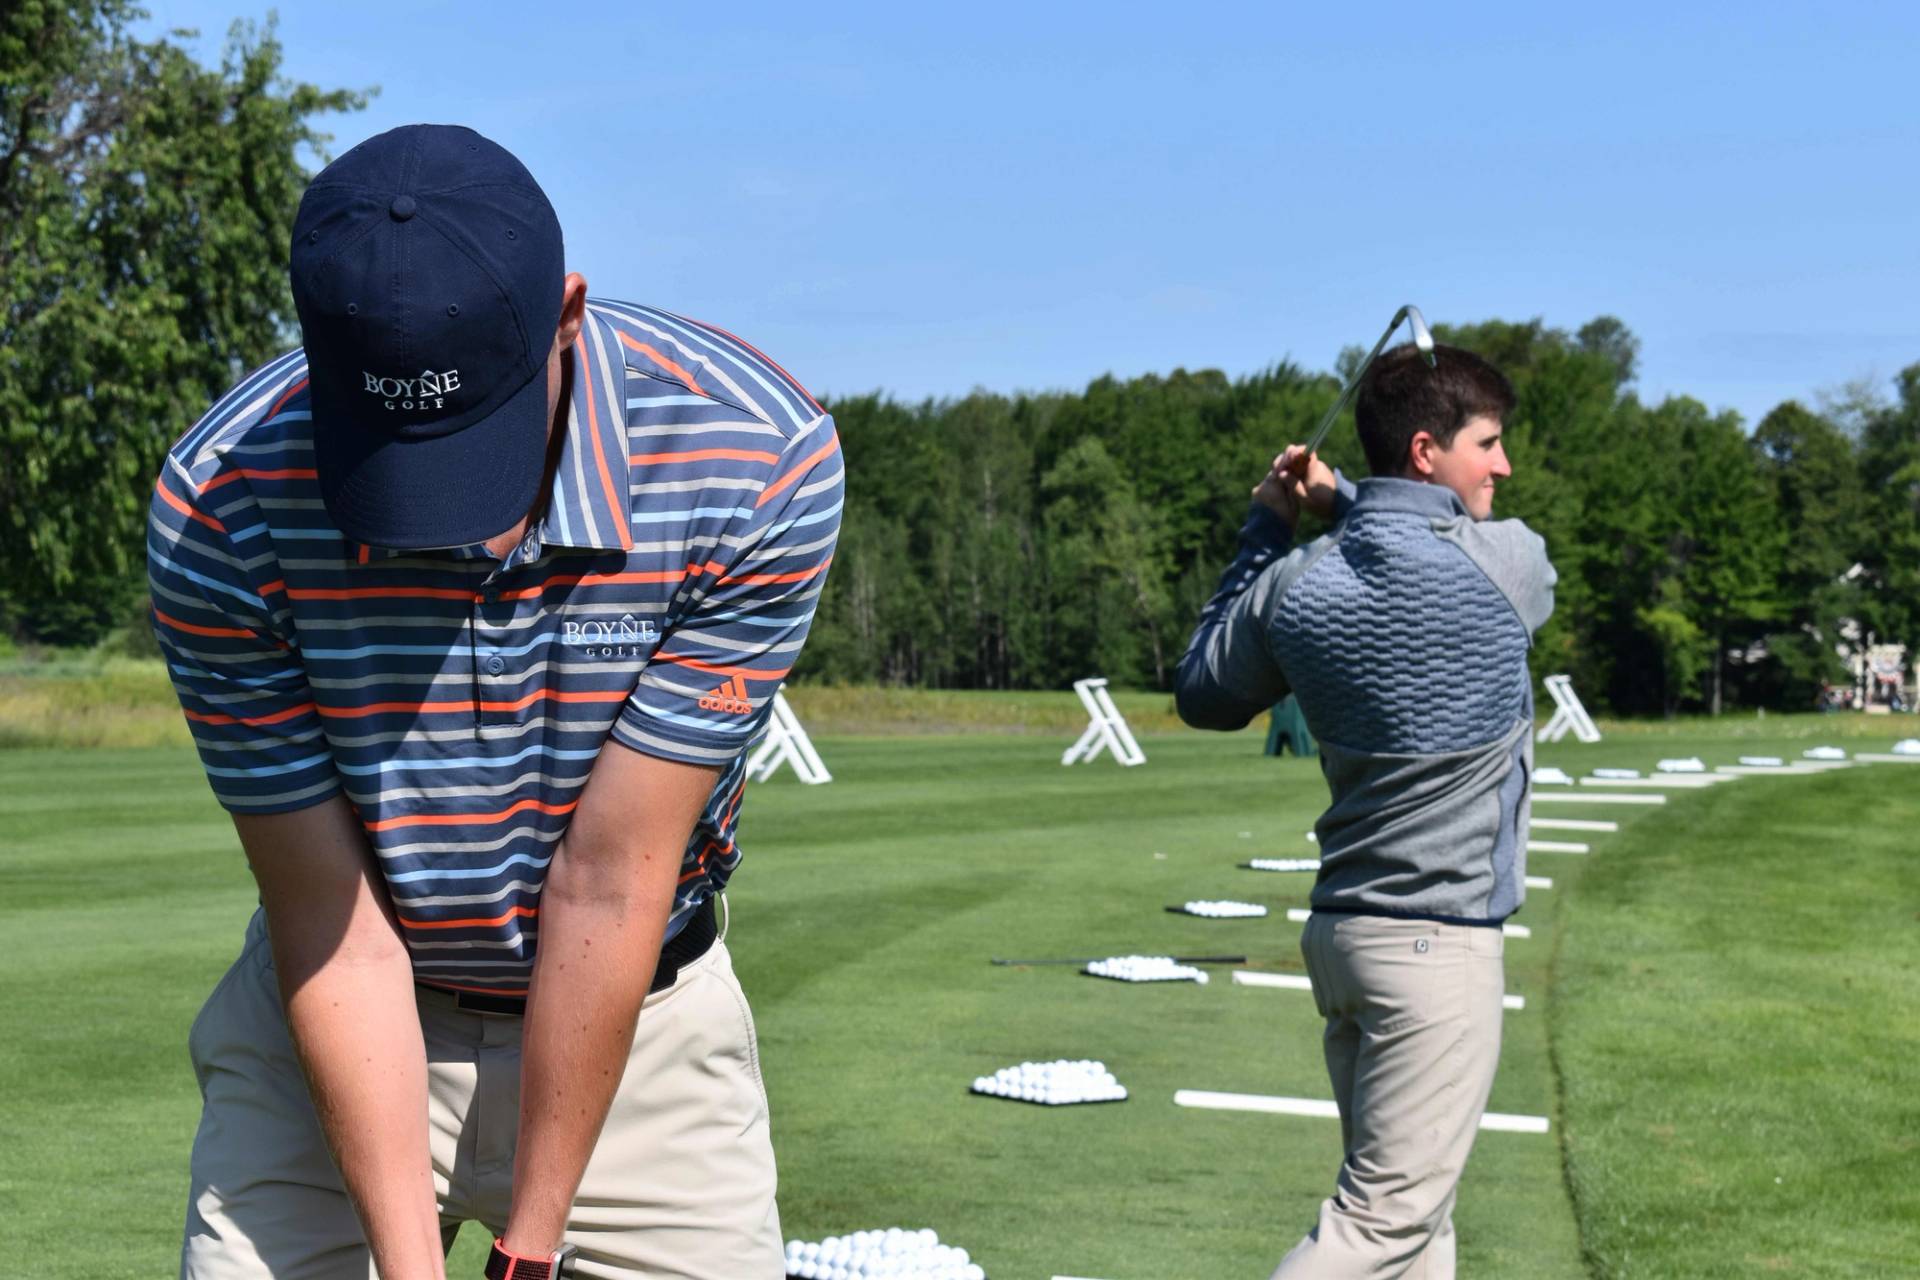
(628, 637)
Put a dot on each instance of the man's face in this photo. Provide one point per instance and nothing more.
(1472, 464)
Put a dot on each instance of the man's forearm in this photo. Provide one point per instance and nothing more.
(600, 938)
(357, 1029)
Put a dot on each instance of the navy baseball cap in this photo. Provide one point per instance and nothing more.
(428, 271)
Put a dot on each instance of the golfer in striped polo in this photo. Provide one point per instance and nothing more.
(473, 604)
(1404, 633)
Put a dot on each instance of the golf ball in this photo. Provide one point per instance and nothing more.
(1060, 1083)
(1145, 969)
(890, 1254)
(1223, 909)
(1285, 864)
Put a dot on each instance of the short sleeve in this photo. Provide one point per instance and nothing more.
(709, 688)
(239, 680)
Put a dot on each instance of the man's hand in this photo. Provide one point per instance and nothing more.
(1297, 480)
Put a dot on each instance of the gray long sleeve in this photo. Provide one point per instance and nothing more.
(1228, 674)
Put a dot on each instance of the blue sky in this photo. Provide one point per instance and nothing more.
(928, 198)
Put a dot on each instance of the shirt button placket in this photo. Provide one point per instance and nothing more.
(493, 677)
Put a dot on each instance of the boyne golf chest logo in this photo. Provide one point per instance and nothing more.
(627, 637)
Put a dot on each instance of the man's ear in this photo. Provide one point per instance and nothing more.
(1420, 451)
(573, 308)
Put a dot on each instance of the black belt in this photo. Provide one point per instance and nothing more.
(681, 950)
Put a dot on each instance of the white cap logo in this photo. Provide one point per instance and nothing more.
(427, 391)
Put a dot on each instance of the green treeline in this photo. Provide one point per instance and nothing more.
(145, 204)
(1026, 541)
(989, 542)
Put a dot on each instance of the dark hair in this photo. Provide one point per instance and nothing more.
(1402, 396)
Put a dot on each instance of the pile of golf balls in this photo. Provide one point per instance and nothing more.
(1616, 773)
(1829, 753)
(1145, 969)
(1222, 909)
(1690, 764)
(1285, 864)
(870, 1255)
(1907, 747)
(1762, 762)
(1547, 773)
(1053, 1084)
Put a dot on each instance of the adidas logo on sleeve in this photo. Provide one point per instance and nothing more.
(730, 697)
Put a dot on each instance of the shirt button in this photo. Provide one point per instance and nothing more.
(496, 664)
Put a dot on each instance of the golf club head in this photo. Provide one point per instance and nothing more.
(1422, 339)
(1422, 336)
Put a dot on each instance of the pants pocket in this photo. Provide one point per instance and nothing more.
(1401, 971)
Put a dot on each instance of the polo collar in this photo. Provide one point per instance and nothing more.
(1382, 494)
(587, 506)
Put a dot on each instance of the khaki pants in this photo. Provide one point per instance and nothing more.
(681, 1183)
(1413, 1016)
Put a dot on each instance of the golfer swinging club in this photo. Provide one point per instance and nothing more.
(1404, 634)
(473, 604)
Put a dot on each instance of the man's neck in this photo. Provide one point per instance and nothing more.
(502, 545)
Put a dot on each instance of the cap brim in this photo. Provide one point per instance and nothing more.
(446, 491)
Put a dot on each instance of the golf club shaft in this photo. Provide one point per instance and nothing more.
(1421, 337)
(1091, 959)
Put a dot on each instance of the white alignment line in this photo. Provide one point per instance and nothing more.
(1671, 781)
(1299, 916)
(1287, 981)
(1326, 1110)
(1539, 882)
(1883, 757)
(1558, 846)
(1573, 824)
(1296, 982)
(1595, 797)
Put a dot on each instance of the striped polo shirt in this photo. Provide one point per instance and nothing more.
(459, 700)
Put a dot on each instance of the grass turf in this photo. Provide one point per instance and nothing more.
(863, 921)
(1737, 1022)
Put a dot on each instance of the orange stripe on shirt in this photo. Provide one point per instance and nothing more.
(474, 819)
(166, 496)
(497, 921)
(705, 455)
(518, 704)
(698, 665)
(370, 593)
(763, 355)
(784, 481)
(259, 473)
(281, 403)
(661, 360)
(604, 579)
(476, 991)
(195, 630)
(762, 579)
(617, 509)
(275, 718)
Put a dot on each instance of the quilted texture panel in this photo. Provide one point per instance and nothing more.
(1394, 641)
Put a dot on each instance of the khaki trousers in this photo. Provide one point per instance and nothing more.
(681, 1183)
(1413, 1014)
